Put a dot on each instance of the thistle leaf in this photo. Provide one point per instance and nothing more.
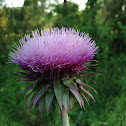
(75, 92)
(38, 95)
(29, 94)
(89, 87)
(37, 104)
(68, 82)
(89, 79)
(89, 73)
(66, 99)
(41, 104)
(81, 83)
(87, 92)
(30, 105)
(59, 91)
(57, 106)
(48, 99)
(29, 87)
(71, 101)
(84, 97)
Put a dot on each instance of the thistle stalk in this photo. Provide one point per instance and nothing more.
(65, 119)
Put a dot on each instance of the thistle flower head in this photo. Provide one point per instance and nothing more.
(51, 59)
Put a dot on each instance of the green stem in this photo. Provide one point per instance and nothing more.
(65, 119)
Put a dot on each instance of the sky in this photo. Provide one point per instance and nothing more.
(19, 3)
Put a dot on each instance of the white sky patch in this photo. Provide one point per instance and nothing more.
(19, 3)
(81, 3)
(14, 3)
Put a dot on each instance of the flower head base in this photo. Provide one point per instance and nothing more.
(52, 59)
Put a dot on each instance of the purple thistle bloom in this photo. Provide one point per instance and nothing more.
(50, 56)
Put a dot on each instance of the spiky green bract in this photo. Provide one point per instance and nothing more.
(62, 95)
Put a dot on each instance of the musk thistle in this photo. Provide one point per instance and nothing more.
(55, 60)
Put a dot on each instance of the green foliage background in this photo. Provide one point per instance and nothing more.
(105, 21)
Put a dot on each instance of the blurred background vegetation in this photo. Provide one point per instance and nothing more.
(105, 21)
